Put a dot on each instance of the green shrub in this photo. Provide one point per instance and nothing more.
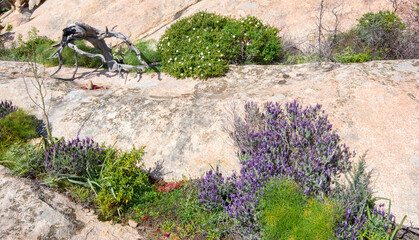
(3, 10)
(124, 184)
(148, 53)
(349, 56)
(203, 45)
(68, 56)
(287, 213)
(17, 126)
(24, 160)
(9, 27)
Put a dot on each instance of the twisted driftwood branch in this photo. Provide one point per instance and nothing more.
(81, 31)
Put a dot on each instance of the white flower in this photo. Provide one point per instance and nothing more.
(206, 48)
(177, 50)
(197, 36)
(175, 58)
(218, 45)
(221, 55)
(234, 36)
(209, 64)
(168, 43)
(181, 74)
(190, 68)
(189, 40)
(199, 66)
(193, 29)
(208, 52)
(219, 60)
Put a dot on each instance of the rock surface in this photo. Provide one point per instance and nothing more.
(373, 106)
(31, 211)
(149, 18)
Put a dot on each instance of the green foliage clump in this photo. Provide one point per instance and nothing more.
(376, 36)
(350, 56)
(3, 10)
(23, 159)
(17, 127)
(68, 56)
(148, 53)
(124, 184)
(21, 49)
(287, 213)
(9, 27)
(180, 211)
(203, 45)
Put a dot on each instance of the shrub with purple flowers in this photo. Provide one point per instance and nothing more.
(6, 107)
(292, 142)
(73, 157)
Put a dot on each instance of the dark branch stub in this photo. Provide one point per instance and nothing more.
(81, 31)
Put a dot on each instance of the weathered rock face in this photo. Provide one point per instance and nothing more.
(149, 18)
(31, 211)
(373, 106)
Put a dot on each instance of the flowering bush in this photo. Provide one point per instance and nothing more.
(292, 142)
(6, 107)
(73, 157)
(204, 44)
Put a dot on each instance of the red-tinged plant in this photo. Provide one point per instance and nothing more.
(157, 229)
(144, 218)
(168, 187)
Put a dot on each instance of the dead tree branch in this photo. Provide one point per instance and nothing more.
(81, 31)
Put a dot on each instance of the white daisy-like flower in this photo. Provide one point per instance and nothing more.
(208, 52)
(177, 50)
(190, 68)
(234, 36)
(209, 64)
(175, 58)
(181, 74)
(197, 36)
(219, 60)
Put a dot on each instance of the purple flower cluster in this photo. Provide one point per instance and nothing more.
(292, 142)
(73, 156)
(348, 230)
(6, 107)
(376, 220)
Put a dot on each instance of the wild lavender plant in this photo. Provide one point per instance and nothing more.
(6, 107)
(292, 142)
(75, 157)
